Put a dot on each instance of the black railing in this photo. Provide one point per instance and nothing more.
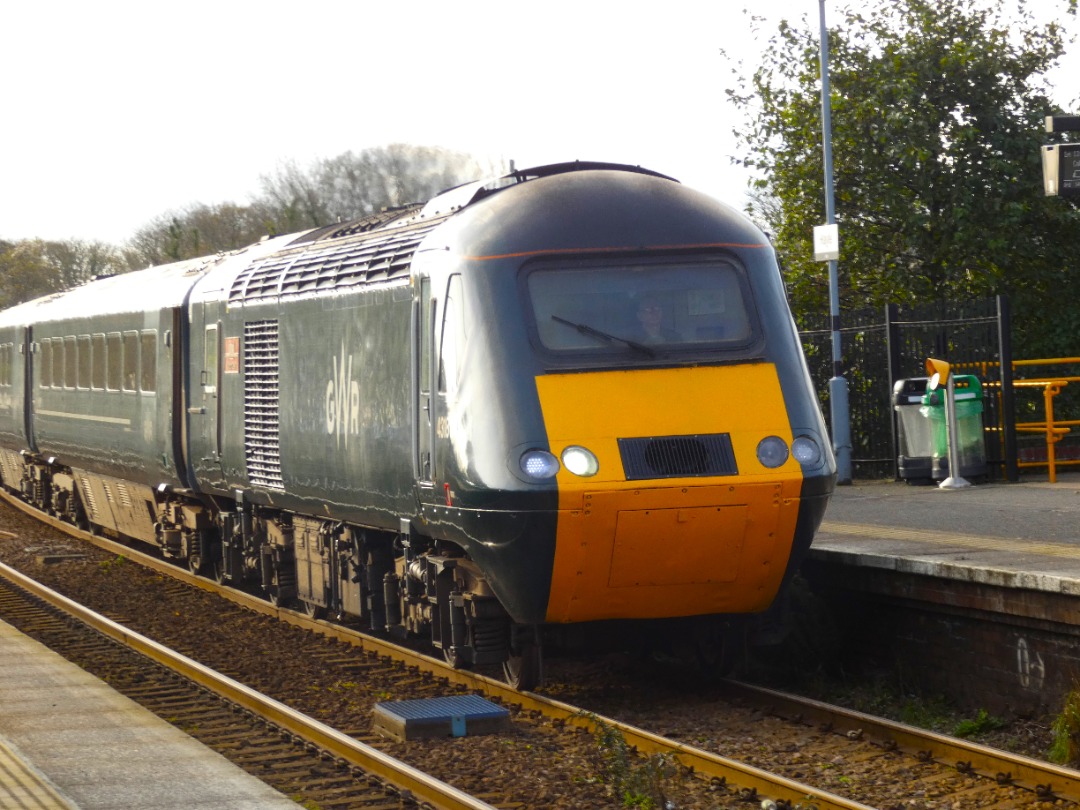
(878, 348)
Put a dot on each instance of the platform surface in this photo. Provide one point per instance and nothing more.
(1013, 534)
(68, 740)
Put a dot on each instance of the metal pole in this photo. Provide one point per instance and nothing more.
(952, 435)
(838, 391)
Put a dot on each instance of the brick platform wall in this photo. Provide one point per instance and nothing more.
(1008, 651)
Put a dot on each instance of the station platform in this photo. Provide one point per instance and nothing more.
(965, 593)
(1024, 535)
(70, 742)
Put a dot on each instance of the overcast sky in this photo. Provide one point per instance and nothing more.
(116, 112)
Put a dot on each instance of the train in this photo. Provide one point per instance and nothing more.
(572, 395)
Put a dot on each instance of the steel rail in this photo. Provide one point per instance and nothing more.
(344, 748)
(705, 764)
(1043, 778)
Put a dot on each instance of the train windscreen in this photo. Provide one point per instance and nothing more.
(648, 306)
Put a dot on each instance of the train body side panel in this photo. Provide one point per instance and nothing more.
(109, 417)
(314, 398)
(13, 382)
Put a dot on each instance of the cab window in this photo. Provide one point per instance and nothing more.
(640, 307)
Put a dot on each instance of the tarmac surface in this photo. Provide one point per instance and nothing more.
(1023, 534)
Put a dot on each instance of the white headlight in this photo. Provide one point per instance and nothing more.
(772, 451)
(580, 461)
(806, 451)
(539, 464)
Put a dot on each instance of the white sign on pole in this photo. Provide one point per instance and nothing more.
(826, 243)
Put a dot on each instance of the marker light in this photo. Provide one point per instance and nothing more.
(580, 461)
(772, 451)
(538, 464)
(806, 451)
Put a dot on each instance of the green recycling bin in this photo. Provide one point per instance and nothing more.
(969, 427)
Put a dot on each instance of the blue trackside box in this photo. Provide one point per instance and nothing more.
(440, 717)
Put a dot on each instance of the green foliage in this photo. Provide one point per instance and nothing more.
(1065, 750)
(113, 562)
(983, 723)
(32, 267)
(937, 119)
(635, 781)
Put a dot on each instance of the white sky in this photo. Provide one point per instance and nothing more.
(116, 112)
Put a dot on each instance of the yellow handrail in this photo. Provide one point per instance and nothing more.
(1054, 429)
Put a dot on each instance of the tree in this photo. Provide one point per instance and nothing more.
(938, 108)
(32, 267)
(353, 185)
(198, 230)
(294, 199)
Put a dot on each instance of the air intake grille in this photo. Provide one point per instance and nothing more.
(677, 456)
(378, 256)
(262, 447)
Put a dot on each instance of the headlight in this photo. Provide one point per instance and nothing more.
(580, 461)
(772, 451)
(538, 464)
(806, 451)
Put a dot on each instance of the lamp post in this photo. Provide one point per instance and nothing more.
(838, 391)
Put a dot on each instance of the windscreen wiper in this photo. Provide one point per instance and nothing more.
(591, 331)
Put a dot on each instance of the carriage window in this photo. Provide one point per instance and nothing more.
(5, 364)
(58, 363)
(114, 361)
(46, 363)
(640, 307)
(97, 368)
(131, 360)
(70, 359)
(83, 380)
(148, 361)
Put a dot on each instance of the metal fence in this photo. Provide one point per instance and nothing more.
(880, 347)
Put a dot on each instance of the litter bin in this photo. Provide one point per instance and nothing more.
(971, 450)
(915, 442)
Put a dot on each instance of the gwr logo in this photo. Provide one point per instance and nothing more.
(342, 400)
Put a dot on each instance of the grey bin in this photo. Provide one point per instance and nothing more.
(915, 439)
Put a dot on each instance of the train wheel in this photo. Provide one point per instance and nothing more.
(273, 595)
(524, 667)
(454, 658)
(195, 563)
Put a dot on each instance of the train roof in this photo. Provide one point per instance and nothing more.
(152, 289)
(373, 249)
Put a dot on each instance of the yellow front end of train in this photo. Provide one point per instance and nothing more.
(679, 545)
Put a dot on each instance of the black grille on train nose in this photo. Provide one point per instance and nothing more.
(677, 456)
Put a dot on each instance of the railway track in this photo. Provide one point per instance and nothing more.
(985, 777)
(297, 755)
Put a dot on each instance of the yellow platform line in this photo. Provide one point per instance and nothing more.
(22, 788)
(941, 538)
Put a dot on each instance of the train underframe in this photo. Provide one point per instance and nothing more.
(402, 584)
